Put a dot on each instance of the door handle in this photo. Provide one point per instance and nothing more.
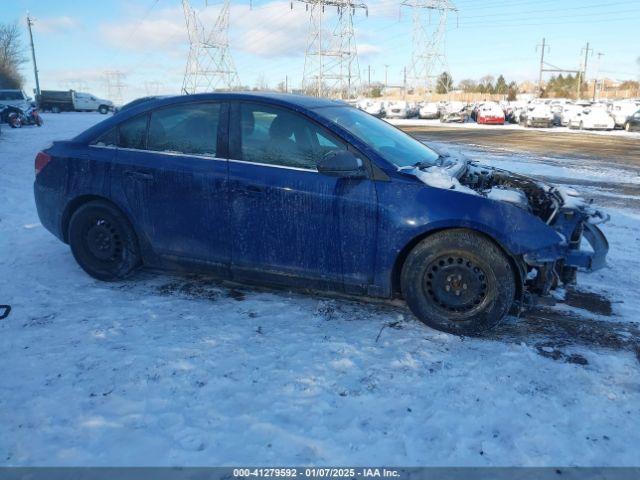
(143, 176)
(254, 190)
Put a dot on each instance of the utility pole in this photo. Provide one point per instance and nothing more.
(369, 76)
(286, 84)
(404, 83)
(543, 46)
(386, 70)
(33, 56)
(595, 80)
(583, 74)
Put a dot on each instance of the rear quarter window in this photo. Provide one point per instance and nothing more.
(107, 139)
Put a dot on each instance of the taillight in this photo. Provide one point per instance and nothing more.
(42, 159)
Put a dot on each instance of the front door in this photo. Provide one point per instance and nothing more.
(286, 218)
(173, 174)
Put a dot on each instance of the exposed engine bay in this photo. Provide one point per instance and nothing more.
(561, 208)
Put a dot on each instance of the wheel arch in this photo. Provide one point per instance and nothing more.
(74, 204)
(517, 266)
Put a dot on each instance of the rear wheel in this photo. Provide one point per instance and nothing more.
(458, 281)
(103, 109)
(103, 241)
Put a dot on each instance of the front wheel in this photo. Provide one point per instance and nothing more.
(103, 241)
(459, 282)
(103, 109)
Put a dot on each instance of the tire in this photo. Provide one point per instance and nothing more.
(103, 109)
(103, 241)
(458, 281)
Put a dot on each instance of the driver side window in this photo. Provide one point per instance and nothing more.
(277, 136)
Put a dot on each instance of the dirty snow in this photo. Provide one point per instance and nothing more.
(180, 370)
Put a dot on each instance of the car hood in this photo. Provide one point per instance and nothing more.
(544, 200)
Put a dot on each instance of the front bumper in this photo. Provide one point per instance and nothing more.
(546, 268)
(590, 260)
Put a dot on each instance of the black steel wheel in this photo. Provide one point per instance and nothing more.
(456, 284)
(458, 281)
(103, 242)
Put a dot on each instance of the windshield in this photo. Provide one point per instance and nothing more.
(392, 144)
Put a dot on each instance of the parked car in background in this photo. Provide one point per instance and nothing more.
(568, 111)
(71, 101)
(557, 106)
(633, 123)
(592, 118)
(537, 115)
(490, 114)
(622, 110)
(294, 200)
(454, 112)
(429, 110)
(397, 109)
(372, 107)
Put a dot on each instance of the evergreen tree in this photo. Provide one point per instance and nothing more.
(512, 92)
(501, 86)
(445, 83)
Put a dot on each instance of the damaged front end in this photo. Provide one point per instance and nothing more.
(572, 217)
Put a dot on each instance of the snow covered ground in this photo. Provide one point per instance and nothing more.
(180, 370)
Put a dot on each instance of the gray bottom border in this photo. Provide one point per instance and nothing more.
(395, 473)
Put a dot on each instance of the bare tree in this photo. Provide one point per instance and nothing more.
(12, 55)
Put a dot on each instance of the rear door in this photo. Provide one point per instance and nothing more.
(287, 218)
(172, 171)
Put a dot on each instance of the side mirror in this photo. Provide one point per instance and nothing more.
(341, 163)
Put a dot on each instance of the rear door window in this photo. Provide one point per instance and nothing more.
(133, 133)
(187, 129)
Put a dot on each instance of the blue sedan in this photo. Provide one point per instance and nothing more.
(302, 192)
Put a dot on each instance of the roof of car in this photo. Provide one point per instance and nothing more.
(302, 101)
(144, 104)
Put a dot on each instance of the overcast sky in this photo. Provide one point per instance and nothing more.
(146, 40)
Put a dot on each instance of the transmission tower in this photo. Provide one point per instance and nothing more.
(428, 58)
(115, 87)
(331, 61)
(209, 65)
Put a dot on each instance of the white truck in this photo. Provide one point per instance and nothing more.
(14, 98)
(71, 101)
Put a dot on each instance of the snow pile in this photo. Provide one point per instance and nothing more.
(437, 177)
(509, 195)
(571, 197)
